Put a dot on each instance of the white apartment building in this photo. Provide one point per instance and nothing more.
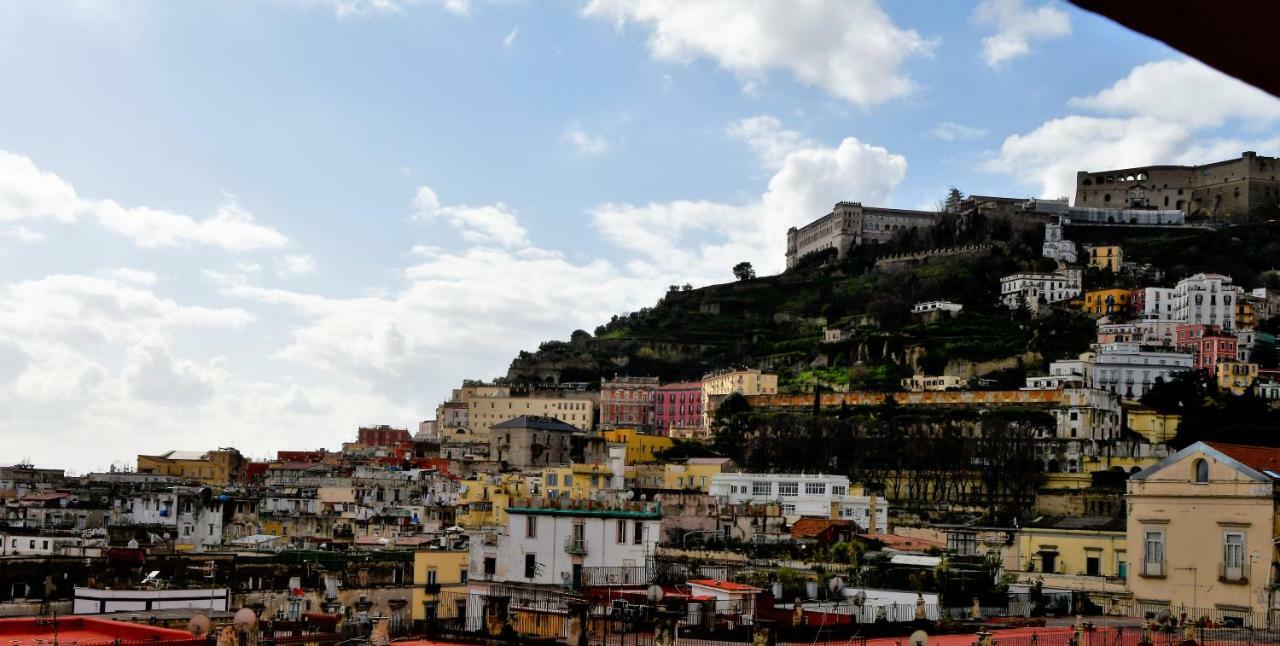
(1206, 299)
(191, 516)
(936, 306)
(549, 542)
(1129, 370)
(1030, 287)
(803, 494)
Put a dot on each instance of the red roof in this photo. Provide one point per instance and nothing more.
(903, 543)
(813, 527)
(88, 631)
(727, 586)
(1258, 458)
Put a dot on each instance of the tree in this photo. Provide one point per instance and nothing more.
(952, 203)
(744, 271)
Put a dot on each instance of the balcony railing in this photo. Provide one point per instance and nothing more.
(575, 546)
(1232, 574)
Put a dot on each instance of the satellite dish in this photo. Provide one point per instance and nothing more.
(244, 620)
(198, 625)
(918, 638)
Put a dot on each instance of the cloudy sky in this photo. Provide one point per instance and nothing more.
(262, 223)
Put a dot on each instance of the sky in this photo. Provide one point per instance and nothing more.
(264, 223)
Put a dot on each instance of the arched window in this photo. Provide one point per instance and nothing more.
(1202, 471)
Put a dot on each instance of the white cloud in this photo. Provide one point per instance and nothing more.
(22, 234)
(510, 40)
(767, 138)
(1164, 109)
(951, 131)
(1050, 155)
(1016, 26)
(586, 144)
(699, 240)
(850, 48)
(486, 224)
(1183, 91)
(295, 265)
(134, 276)
(28, 193)
(154, 375)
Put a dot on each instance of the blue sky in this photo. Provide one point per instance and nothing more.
(263, 223)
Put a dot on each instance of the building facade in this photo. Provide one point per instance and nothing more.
(1201, 529)
(551, 542)
(627, 401)
(532, 441)
(750, 381)
(1130, 370)
(1031, 288)
(1226, 189)
(803, 494)
(677, 405)
(850, 224)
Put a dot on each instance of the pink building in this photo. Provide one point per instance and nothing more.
(677, 405)
(1209, 345)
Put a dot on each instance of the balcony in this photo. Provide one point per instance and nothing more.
(575, 546)
(1232, 574)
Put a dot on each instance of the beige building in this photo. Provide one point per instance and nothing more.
(744, 382)
(1202, 530)
(1229, 188)
(220, 467)
(850, 224)
(483, 411)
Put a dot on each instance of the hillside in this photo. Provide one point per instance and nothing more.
(777, 322)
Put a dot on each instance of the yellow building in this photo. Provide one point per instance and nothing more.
(485, 411)
(1202, 530)
(1107, 302)
(220, 467)
(1108, 257)
(1082, 553)
(695, 474)
(575, 481)
(1235, 377)
(483, 499)
(1151, 424)
(1246, 315)
(438, 571)
(641, 448)
(743, 382)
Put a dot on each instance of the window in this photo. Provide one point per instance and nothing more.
(637, 533)
(1153, 553)
(1202, 471)
(788, 489)
(621, 532)
(531, 527)
(760, 488)
(1233, 556)
(530, 566)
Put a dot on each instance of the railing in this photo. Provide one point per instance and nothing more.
(575, 546)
